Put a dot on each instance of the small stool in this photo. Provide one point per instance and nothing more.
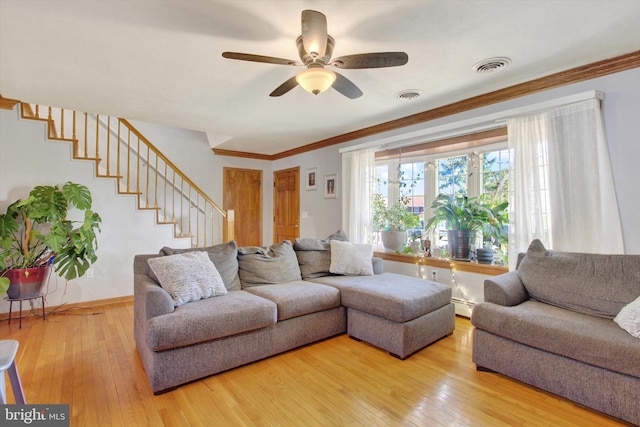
(28, 298)
(8, 350)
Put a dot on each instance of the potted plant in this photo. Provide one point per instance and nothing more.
(415, 240)
(36, 234)
(464, 217)
(494, 238)
(393, 221)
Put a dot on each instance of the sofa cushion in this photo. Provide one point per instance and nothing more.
(224, 256)
(188, 277)
(210, 319)
(392, 296)
(594, 284)
(268, 264)
(351, 259)
(298, 298)
(578, 336)
(314, 255)
(629, 318)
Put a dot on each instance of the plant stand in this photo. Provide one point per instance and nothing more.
(28, 298)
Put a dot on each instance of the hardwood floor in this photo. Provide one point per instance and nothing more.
(87, 358)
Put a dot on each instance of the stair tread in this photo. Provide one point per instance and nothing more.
(59, 138)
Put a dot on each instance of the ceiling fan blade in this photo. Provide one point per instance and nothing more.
(314, 32)
(346, 87)
(259, 58)
(285, 87)
(371, 60)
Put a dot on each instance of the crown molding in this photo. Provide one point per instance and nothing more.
(562, 78)
(244, 154)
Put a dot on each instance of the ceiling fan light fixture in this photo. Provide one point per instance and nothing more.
(316, 80)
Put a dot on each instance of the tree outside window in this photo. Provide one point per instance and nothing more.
(452, 176)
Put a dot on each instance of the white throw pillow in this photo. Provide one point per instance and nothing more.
(187, 277)
(629, 318)
(351, 259)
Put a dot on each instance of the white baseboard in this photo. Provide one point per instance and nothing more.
(463, 307)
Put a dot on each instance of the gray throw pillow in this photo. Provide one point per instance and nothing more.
(594, 284)
(224, 256)
(314, 255)
(264, 265)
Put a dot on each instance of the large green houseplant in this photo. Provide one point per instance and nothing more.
(36, 233)
(464, 217)
(393, 221)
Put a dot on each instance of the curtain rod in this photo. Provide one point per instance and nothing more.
(467, 126)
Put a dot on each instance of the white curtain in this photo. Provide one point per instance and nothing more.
(358, 185)
(562, 186)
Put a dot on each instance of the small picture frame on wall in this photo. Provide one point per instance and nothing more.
(330, 186)
(312, 179)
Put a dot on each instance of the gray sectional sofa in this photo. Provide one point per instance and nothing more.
(557, 321)
(275, 299)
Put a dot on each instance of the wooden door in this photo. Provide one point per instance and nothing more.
(286, 205)
(242, 192)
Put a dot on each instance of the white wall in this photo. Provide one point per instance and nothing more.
(127, 232)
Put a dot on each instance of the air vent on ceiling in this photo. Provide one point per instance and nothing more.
(409, 94)
(491, 65)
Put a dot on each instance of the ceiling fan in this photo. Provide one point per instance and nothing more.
(315, 48)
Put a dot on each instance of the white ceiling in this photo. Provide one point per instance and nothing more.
(160, 61)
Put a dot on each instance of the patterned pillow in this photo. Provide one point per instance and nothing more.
(629, 318)
(224, 256)
(188, 277)
(351, 259)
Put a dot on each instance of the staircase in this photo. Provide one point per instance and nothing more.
(122, 153)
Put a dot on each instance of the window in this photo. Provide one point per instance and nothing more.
(406, 179)
(382, 180)
(495, 174)
(422, 175)
(411, 185)
(452, 176)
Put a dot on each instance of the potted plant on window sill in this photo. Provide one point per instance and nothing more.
(36, 235)
(393, 222)
(464, 217)
(494, 238)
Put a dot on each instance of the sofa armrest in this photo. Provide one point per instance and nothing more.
(150, 299)
(505, 289)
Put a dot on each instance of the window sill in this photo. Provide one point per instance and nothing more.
(471, 267)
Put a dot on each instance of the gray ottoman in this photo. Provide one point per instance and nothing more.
(398, 313)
